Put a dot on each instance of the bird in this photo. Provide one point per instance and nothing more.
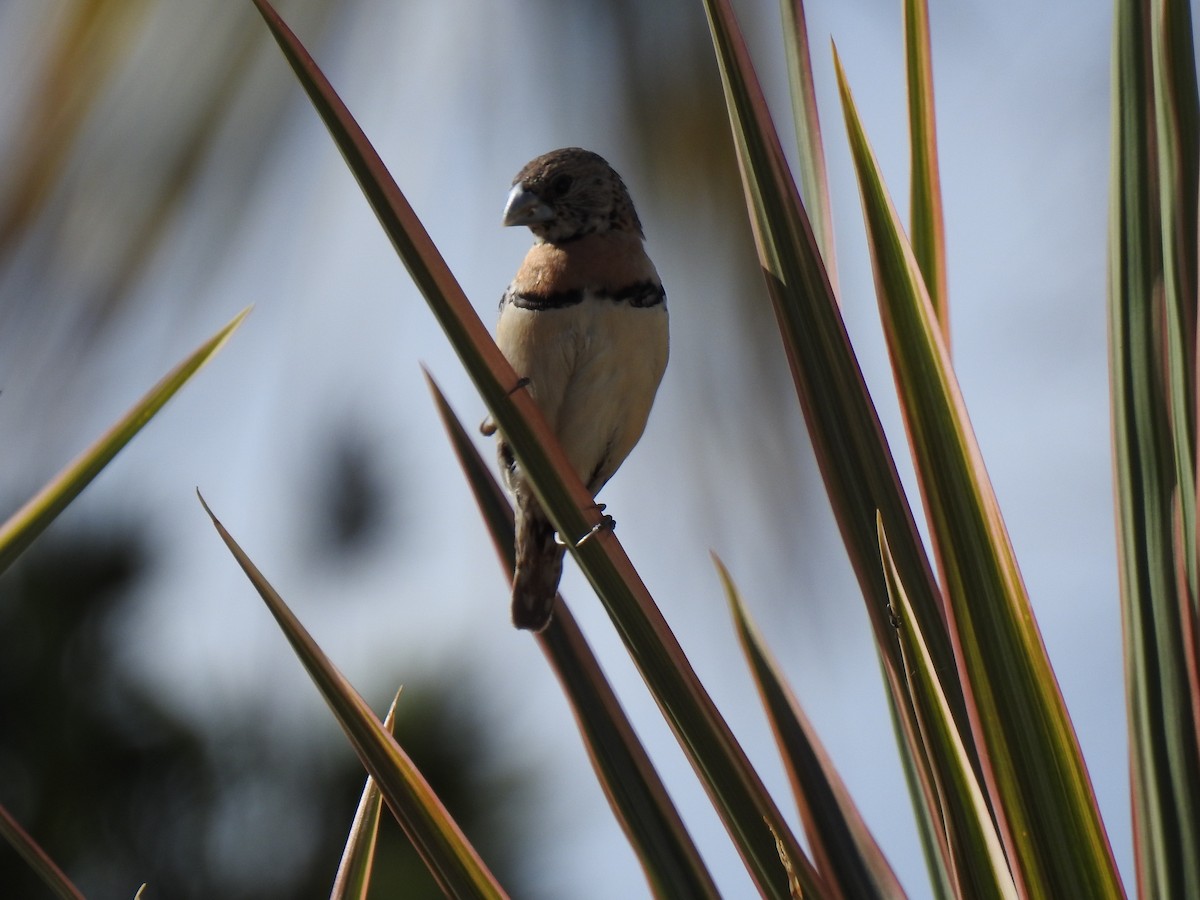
(584, 326)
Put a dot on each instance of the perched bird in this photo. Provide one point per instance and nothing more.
(584, 324)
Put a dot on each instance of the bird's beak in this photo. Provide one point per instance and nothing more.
(524, 207)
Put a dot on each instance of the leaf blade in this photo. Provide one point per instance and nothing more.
(1149, 303)
(353, 879)
(844, 848)
(853, 455)
(926, 219)
(448, 855)
(23, 527)
(814, 178)
(855, 461)
(737, 792)
(974, 853)
(39, 860)
(1037, 781)
(638, 798)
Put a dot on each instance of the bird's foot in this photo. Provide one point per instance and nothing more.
(488, 426)
(606, 523)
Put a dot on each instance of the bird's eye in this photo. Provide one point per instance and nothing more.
(561, 185)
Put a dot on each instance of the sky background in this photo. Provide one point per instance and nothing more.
(109, 284)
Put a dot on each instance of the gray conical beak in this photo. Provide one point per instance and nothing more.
(524, 207)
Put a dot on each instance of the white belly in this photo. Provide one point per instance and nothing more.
(594, 368)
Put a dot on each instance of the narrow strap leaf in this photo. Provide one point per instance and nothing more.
(974, 853)
(31, 519)
(638, 798)
(1151, 322)
(446, 852)
(851, 450)
(746, 808)
(353, 879)
(844, 848)
(39, 860)
(814, 178)
(928, 229)
(1037, 781)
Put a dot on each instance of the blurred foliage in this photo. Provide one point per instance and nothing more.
(121, 790)
(115, 115)
(89, 761)
(115, 112)
(352, 496)
(138, 131)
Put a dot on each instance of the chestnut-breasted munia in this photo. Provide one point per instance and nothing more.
(584, 324)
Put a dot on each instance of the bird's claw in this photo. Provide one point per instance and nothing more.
(488, 426)
(606, 523)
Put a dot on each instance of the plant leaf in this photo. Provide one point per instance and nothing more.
(814, 179)
(353, 878)
(851, 450)
(31, 519)
(844, 849)
(1151, 322)
(87, 50)
(923, 788)
(848, 439)
(448, 855)
(638, 798)
(738, 794)
(974, 852)
(1175, 101)
(928, 228)
(1039, 787)
(40, 861)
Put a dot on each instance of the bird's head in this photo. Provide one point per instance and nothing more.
(569, 193)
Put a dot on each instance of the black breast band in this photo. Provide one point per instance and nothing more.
(640, 295)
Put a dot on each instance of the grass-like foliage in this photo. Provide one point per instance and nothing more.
(23, 527)
(1000, 792)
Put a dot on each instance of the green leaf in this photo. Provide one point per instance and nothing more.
(353, 878)
(1037, 781)
(32, 519)
(638, 798)
(29, 850)
(848, 439)
(814, 179)
(1152, 284)
(737, 792)
(1175, 102)
(844, 849)
(972, 850)
(851, 450)
(448, 855)
(928, 230)
(923, 788)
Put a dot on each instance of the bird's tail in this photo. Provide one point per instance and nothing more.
(538, 570)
